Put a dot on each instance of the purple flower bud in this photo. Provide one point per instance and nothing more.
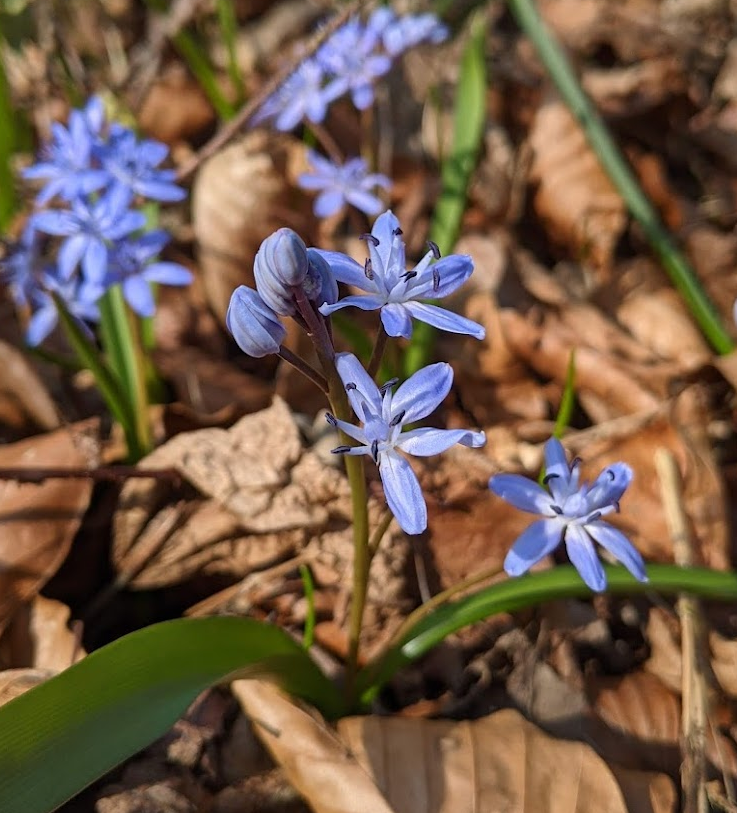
(320, 285)
(281, 263)
(254, 325)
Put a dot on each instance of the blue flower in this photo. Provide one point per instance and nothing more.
(384, 416)
(22, 266)
(133, 164)
(406, 32)
(89, 229)
(573, 513)
(395, 290)
(79, 297)
(302, 95)
(255, 327)
(352, 58)
(67, 161)
(349, 183)
(132, 265)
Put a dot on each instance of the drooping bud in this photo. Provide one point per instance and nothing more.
(320, 284)
(280, 264)
(254, 325)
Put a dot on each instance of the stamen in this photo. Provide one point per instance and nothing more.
(596, 515)
(340, 449)
(615, 503)
(397, 232)
(389, 384)
(397, 419)
(369, 238)
(612, 475)
(375, 451)
(576, 462)
(557, 509)
(368, 268)
(549, 477)
(350, 386)
(331, 419)
(408, 275)
(434, 248)
(435, 279)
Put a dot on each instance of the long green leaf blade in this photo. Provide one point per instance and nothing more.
(62, 735)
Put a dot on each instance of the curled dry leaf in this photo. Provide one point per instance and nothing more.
(574, 198)
(39, 637)
(415, 765)
(24, 399)
(240, 196)
(14, 682)
(38, 522)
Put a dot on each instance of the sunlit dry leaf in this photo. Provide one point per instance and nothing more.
(574, 198)
(175, 107)
(39, 636)
(240, 196)
(14, 682)
(642, 726)
(724, 662)
(23, 397)
(39, 522)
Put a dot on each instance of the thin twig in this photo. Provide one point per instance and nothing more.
(231, 129)
(693, 677)
(113, 473)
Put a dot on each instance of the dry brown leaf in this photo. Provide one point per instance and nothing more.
(38, 522)
(724, 662)
(23, 397)
(14, 682)
(240, 196)
(415, 765)
(574, 198)
(39, 636)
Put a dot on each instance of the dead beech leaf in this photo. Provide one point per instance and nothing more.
(23, 396)
(14, 682)
(38, 522)
(574, 197)
(240, 196)
(39, 636)
(415, 765)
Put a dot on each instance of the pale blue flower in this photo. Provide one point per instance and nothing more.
(384, 416)
(572, 513)
(302, 95)
(89, 228)
(352, 58)
(253, 324)
(398, 292)
(341, 184)
(132, 264)
(406, 32)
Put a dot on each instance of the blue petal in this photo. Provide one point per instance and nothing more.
(41, 324)
(351, 371)
(364, 201)
(533, 544)
(396, 320)
(451, 272)
(328, 203)
(521, 492)
(383, 231)
(445, 320)
(367, 302)
(94, 260)
(583, 556)
(347, 270)
(137, 293)
(609, 486)
(422, 393)
(70, 253)
(403, 493)
(424, 442)
(557, 470)
(352, 431)
(619, 546)
(167, 274)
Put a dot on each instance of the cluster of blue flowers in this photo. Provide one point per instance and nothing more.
(300, 282)
(96, 173)
(351, 59)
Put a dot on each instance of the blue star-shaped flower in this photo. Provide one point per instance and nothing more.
(349, 183)
(384, 416)
(572, 513)
(396, 291)
(302, 95)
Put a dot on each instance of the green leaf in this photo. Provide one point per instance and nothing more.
(456, 170)
(528, 591)
(60, 736)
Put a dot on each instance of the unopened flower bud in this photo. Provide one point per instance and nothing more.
(280, 264)
(320, 284)
(254, 325)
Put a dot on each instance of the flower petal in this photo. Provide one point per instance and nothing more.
(383, 231)
(609, 486)
(450, 272)
(532, 545)
(444, 319)
(167, 273)
(423, 392)
(424, 442)
(403, 492)
(396, 320)
(366, 302)
(352, 431)
(583, 556)
(328, 203)
(347, 270)
(619, 546)
(365, 392)
(137, 293)
(557, 470)
(521, 492)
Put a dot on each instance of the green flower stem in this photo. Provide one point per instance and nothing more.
(304, 368)
(378, 352)
(675, 263)
(515, 594)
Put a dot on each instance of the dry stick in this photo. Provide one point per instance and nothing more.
(693, 677)
(26, 474)
(230, 130)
